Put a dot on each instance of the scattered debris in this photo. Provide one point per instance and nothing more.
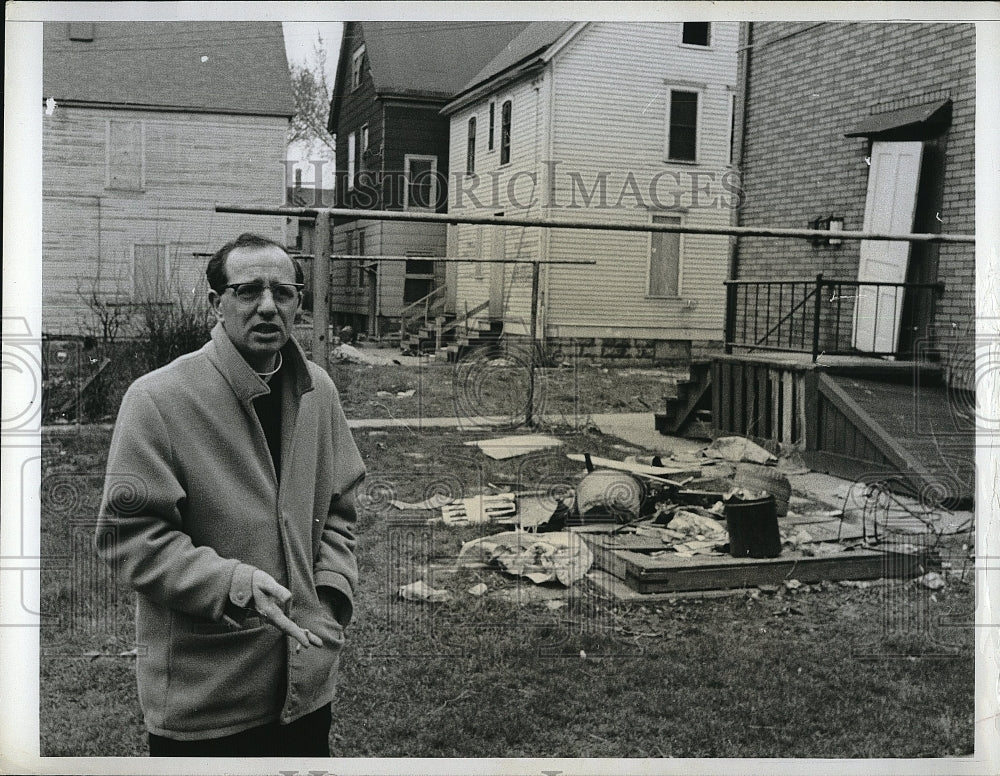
(931, 580)
(632, 468)
(609, 495)
(536, 511)
(768, 479)
(539, 557)
(480, 509)
(738, 449)
(436, 501)
(478, 590)
(421, 591)
(353, 355)
(792, 584)
(513, 446)
(397, 394)
(553, 604)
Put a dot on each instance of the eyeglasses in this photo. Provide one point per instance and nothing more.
(281, 293)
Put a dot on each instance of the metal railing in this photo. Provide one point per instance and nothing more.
(418, 313)
(831, 317)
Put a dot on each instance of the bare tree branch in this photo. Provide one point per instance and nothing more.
(312, 93)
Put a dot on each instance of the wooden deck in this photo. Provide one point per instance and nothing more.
(891, 421)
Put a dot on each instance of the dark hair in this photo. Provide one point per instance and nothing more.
(216, 269)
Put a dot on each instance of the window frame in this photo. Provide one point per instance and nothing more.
(699, 46)
(698, 119)
(730, 155)
(506, 130)
(357, 67)
(679, 216)
(407, 158)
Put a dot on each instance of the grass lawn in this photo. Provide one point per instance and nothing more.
(474, 388)
(825, 671)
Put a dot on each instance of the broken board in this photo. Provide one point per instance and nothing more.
(628, 558)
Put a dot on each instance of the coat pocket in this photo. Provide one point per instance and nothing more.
(220, 677)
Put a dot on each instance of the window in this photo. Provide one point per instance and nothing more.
(696, 33)
(682, 126)
(357, 64)
(470, 151)
(420, 191)
(493, 111)
(505, 133)
(352, 140)
(125, 155)
(665, 259)
(419, 281)
(149, 273)
(363, 148)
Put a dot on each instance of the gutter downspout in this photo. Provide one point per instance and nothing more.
(737, 217)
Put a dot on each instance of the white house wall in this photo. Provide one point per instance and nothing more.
(608, 115)
(514, 189)
(191, 163)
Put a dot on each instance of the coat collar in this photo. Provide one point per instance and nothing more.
(241, 376)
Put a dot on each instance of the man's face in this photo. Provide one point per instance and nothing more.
(258, 329)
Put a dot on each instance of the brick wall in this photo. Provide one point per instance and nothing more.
(809, 84)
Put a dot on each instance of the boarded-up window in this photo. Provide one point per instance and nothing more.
(125, 152)
(682, 126)
(696, 33)
(665, 259)
(149, 273)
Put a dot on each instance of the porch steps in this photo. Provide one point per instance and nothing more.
(689, 412)
(424, 339)
(480, 334)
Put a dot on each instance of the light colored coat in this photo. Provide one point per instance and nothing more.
(195, 506)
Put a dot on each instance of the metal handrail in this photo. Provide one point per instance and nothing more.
(404, 317)
(812, 289)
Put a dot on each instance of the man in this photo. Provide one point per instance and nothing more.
(230, 492)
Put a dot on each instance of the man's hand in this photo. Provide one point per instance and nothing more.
(270, 600)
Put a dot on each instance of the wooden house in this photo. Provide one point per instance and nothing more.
(147, 126)
(392, 154)
(861, 353)
(599, 122)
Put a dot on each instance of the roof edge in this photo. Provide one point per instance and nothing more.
(155, 108)
(514, 73)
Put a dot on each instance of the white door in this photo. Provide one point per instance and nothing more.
(889, 207)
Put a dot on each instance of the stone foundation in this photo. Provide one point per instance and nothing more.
(632, 351)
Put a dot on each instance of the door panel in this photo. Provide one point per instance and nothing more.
(889, 207)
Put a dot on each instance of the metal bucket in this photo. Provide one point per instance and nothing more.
(753, 528)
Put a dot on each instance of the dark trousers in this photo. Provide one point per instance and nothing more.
(308, 736)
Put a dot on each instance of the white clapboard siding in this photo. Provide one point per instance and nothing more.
(191, 162)
(515, 189)
(603, 116)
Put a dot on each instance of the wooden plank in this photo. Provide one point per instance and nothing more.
(787, 393)
(763, 407)
(739, 400)
(708, 573)
(810, 411)
(775, 381)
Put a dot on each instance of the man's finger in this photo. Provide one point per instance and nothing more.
(283, 623)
